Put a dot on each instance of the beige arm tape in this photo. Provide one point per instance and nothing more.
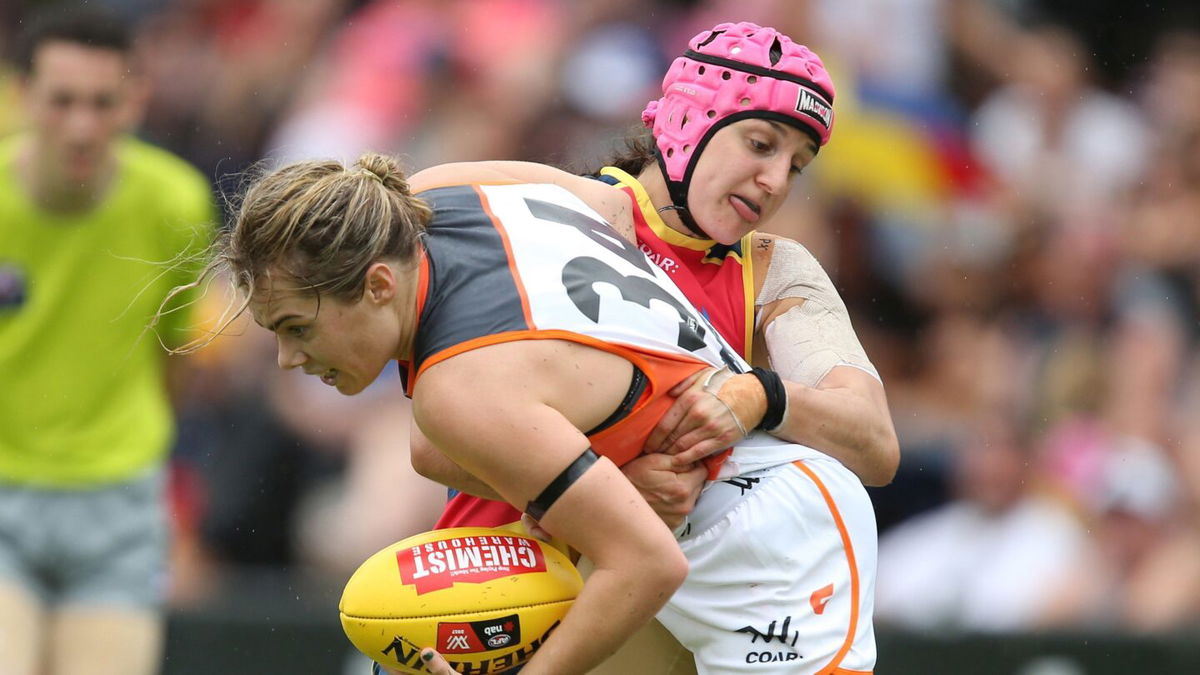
(807, 341)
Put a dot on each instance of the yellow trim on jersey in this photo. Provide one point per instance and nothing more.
(748, 289)
(661, 229)
(675, 238)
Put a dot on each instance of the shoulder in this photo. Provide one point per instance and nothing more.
(165, 179)
(609, 202)
(780, 262)
(768, 248)
(151, 163)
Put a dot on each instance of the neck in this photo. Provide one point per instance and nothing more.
(408, 283)
(652, 180)
(49, 188)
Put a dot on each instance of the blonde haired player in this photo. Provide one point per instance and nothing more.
(540, 350)
(692, 208)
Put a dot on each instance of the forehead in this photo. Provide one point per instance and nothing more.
(795, 140)
(60, 63)
(274, 294)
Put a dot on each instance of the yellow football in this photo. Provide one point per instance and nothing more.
(486, 598)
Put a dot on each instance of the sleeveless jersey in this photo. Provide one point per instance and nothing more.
(718, 279)
(522, 262)
(546, 263)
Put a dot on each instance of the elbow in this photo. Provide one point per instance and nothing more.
(667, 575)
(425, 459)
(887, 450)
(674, 571)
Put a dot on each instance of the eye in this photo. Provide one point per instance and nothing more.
(297, 331)
(105, 102)
(760, 146)
(796, 170)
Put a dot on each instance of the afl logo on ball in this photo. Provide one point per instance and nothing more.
(477, 636)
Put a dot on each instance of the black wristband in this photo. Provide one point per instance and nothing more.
(772, 385)
(539, 506)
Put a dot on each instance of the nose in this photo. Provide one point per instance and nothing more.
(83, 124)
(290, 358)
(775, 176)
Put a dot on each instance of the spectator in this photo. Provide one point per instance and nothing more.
(87, 216)
(987, 560)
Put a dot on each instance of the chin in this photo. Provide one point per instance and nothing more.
(729, 235)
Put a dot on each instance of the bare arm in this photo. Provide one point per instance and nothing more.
(835, 402)
(433, 464)
(517, 431)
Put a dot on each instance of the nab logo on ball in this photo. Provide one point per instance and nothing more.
(477, 636)
(437, 565)
(487, 598)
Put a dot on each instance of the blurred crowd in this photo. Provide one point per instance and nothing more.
(1010, 206)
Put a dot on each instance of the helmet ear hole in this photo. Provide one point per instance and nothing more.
(711, 114)
(701, 70)
(751, 79)
(725, 75)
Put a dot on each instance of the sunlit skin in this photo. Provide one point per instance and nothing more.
(79, 99)
(742, 178)
(345, 344)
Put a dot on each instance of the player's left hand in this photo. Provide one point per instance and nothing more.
(713, 410)
(669, 489)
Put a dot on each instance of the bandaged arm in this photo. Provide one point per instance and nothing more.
(835, 399)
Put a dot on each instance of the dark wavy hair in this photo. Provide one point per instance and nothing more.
(87, 25)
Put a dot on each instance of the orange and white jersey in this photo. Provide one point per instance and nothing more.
(528, 262)
(517, 262)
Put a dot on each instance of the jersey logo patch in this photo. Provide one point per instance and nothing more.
(12, 286)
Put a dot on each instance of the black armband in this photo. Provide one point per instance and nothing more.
(539, 506)
(772, 385)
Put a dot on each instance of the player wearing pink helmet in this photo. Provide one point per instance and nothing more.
(743, 111)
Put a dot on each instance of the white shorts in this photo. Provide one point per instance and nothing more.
(782, 573)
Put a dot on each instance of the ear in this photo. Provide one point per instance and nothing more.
(380, 286)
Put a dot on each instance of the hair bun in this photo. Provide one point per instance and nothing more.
(383, 168)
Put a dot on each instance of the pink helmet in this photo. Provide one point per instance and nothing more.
(730, 73)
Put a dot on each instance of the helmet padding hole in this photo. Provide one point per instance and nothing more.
(776, 52)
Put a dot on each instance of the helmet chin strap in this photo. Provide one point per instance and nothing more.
(677, 190)
(686, 218)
